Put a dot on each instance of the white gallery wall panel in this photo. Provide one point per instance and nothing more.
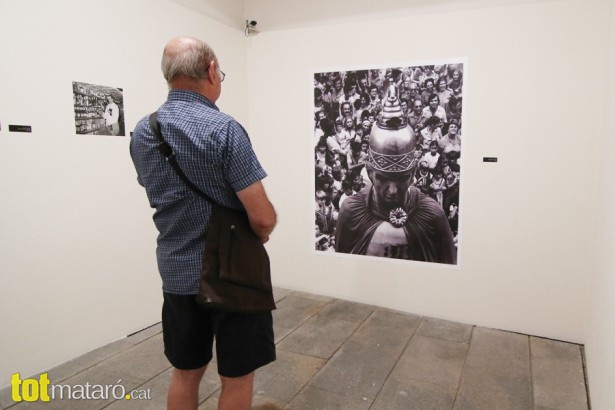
(600, 337)
(525, 258)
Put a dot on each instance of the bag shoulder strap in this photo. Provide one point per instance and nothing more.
(166, 150)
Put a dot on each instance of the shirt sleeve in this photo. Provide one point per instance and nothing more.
(240, 164)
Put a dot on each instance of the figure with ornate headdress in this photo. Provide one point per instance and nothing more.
(389, 217)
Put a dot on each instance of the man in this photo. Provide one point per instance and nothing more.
(346, 109)
(338, 144)
(432, 157)
(350, 93)
(319, 134)
(416, 118)
(374, 99)
(404, 107)
(111, 114)
(428, 90)
(390, 218)
(415, 92)
(215, 153)
(434, 108)
(325, 214)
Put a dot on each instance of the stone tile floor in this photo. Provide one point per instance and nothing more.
(335, 354)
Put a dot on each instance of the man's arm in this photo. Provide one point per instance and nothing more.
(260, 211)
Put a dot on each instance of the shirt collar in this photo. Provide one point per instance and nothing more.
(190, 96)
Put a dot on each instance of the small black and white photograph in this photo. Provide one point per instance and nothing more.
(99, 110)
(387, 159)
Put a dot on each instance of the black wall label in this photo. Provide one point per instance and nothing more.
(20, 128)
(490, 159)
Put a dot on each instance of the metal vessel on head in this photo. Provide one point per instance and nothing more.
(392, 141)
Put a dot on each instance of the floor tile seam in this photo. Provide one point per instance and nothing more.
(305, 386)
(447, 386)
(358, 322)
(353, 333)
(14, 404)
(444, 340)
(463, 368)
(552, 339)
(585, 377)
(442, 384)
(302, 354)
(357, 325)
(78, 372)
(303, 321)
(98, 362)
(112, 369)
(132, 346)
(307, 382)
(326, 318)
(529, 358)
(410, 339)
(315, 314)
(482, 369)
(401, 353)
(533, 336)
(508, 364)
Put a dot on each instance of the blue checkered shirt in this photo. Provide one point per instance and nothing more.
(215, 153)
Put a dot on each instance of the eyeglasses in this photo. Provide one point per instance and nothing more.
(222, 75)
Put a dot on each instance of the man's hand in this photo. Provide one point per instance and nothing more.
(261, 214)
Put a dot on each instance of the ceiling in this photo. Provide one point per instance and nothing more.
(288, 14)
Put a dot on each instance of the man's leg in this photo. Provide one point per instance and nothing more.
(184, 389)
(188, 339)
(236, 392)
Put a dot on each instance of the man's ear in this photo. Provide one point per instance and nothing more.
(211, 71)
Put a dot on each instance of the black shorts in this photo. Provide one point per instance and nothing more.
(244, 342)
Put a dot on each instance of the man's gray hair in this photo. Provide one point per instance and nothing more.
(193, 61)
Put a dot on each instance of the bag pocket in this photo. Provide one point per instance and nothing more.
(243, 258)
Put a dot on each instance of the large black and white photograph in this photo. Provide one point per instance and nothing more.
(387, 159)
(99, 110)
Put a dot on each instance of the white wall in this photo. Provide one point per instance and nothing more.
(601, 324)
(526, 240)
(77, 241)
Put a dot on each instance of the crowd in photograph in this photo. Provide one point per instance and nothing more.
(346, 107)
